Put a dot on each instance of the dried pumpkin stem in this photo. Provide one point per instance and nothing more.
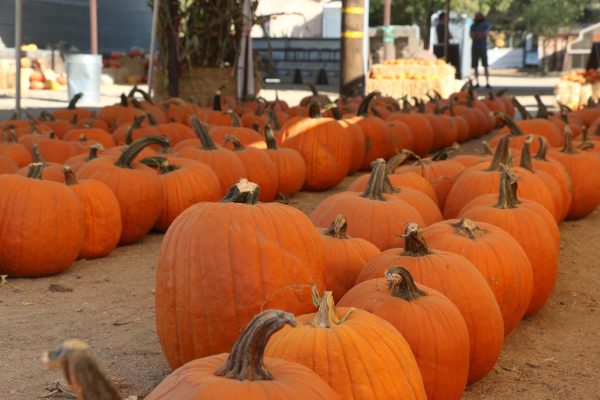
(73, 103)
(70, 178)
(216, 106)
(237, 146)
(415, 244)
(34, 170)
(443, 154)
(243, 192)
(136, 124)
(401, 284)
(501, 156)
(338, 228)
(326, 316)
(132, 151)
(568, 147)
(270, 138)
(363, 108)
(235, 120)
(314, 109)
(162, 164)
(542, 111)
(522, 110)
(397, 160)
(543, 149)
(37, 157)
(202, 134)
(375, 186)
(468, 228)
(245, 361)
(507, 191)
(526, 154)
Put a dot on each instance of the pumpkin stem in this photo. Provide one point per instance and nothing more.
(568, 147)
(468, 228)
(375, 186)
(501, 92)
(243, 192)
(487, 149)
(136, 124)
(415, 244)
(399, 159)
(501, 156)
(326, 316)
(124, 102)
(144, 94)
(273, 118)
(73, 103)
(542, 111)
(270, 138)
(160, 163)
(522, 110)
(543, 149)
(402, 285)
(34, 170)
(237, 146)
(314, 109)
(363, 108)
(151, 119)
(132, 150)
(235, 120)
(202, 134)
(512, 126)
(245, 361)
(94, 151)
(338, 228)
(335, 111)
(507, 191)
(313, 89)
(526, 154)
(216, 106)
(70, 178)
(443, 154)
(37, 157)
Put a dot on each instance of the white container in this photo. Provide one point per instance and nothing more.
(83, 76)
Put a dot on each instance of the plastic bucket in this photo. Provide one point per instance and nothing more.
(83, 76)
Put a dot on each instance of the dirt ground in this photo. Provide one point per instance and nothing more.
(109, 303)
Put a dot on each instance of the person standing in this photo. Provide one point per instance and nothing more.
(479, 33)
(440, 28)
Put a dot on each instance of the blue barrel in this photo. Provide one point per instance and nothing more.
(83, 76)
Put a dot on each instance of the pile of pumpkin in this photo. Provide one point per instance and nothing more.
(425, 303)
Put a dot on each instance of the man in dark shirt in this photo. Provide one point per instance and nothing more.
(479, 33)
(440, 28)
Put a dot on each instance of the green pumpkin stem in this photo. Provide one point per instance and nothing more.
(34, 170)
(245, 361)
(363, 108)
(415, 244)
(338, 228)
(160, 163)
(132, 150)
(136, 124)
(243, 192)
(402, 285)
(73, 103)
(205, 140)
(376, 185)
(270, 138)
(70, 178)
(526, 154)
(466, 227)
(326, 316)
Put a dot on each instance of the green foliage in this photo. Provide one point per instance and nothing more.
(547, 17)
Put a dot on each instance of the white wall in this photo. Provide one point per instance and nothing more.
(303, 18)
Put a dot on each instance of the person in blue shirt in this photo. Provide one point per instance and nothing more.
(479, 34)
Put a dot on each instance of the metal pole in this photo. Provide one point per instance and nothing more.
(388, 37)
(351, 61)
(18, 42)
(447, 31)
(93, 27)
(152, 44)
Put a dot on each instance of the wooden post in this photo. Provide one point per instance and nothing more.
(18, 43)
(155, 8)
(447, 31)
(352, 76)
(173, 60)
(388, 35)
(93, 27)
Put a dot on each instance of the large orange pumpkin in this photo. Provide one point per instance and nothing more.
(41, 226)
(497, 255)
(431, 324)
(290, 165)
(359, 354)
(459, 280)
(237, 252)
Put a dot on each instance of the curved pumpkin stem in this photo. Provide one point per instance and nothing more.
(466, 227)
(243, 192)
(237, 146)
(363, 108)
(245, 361)
(270, 138)
(526, 154)
(73, 103)
(136, 124)
(131, 152)
(338, 228)
(542, 111)
(522, 110)
(202, 134)
(415, 244)
(399, 159)
(375, 186)
(235, 120)
(326, 316)
(402, 285)
(443, 154)
(161, 164)
(34, 170)
(313, 89)
(512, 126)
